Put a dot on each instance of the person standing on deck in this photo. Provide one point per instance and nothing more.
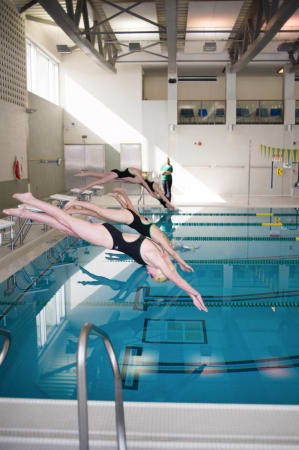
(167, 170)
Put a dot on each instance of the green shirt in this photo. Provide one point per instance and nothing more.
(169, 169)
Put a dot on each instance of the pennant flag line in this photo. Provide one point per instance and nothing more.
(289, 155)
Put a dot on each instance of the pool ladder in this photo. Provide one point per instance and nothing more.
(6, 345)
(82, 388)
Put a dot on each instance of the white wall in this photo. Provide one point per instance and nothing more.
(219, 166)
(106, 106)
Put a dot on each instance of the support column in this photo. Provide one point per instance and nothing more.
(231, 96)
(289, 95)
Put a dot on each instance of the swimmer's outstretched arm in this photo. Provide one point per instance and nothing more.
(124, 200)
(170, 272)
(162, 196)
(161, 239)
(115, 215)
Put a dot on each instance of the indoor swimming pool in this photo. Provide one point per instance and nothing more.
(244, 350)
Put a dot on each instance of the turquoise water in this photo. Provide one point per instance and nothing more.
(244, 350)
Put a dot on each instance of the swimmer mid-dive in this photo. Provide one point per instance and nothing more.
(130, 175)
(129, 216)
(143, 250)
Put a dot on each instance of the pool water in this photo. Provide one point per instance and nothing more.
(244, 350)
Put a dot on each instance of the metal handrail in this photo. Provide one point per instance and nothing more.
(6, 345)
(82, 388)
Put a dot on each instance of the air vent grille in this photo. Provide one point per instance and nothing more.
(209, 46)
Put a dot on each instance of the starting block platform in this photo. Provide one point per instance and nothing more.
(6, 226)
(85, 194)
(61, 198)
(98, 188)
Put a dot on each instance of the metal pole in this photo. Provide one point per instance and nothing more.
(272, 168)
(82, 390)
(6, 345)
(249, 164)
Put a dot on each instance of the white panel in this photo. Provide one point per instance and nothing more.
(209, 16)
(130, 156)
(213, 15)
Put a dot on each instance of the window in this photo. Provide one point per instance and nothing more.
(42, 74)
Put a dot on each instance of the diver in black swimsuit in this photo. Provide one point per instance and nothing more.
(130, 175)
(129, 216)
(142, 249)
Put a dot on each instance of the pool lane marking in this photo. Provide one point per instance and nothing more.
(229, 224)
(235, 238)
(272, 224)
(274, 294)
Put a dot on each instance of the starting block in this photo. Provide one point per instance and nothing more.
(62, 199)
(98, 188)
(6, 226)
(85, 194)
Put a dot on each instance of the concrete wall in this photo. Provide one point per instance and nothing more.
(45, 142)
(13, 143)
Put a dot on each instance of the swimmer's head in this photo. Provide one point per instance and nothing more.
(156, 274)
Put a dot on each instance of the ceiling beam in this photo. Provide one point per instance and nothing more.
(115, 5)
(171, 25)
(273, 27)
(53, 8)
(27, 6)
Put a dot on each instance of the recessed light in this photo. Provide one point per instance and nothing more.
(281, 70)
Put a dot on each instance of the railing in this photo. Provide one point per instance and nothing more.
(6, 345)
(201, 112)
(82, 388)
(259, 112)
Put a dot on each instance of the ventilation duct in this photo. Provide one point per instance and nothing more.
(63, 49)
(209, 46)
(134, 47)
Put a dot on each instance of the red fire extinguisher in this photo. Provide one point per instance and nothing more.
(17, 169)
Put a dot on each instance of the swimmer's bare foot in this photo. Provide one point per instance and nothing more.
(16, 212)
(24, 197)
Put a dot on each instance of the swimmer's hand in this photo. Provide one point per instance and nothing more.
(82, 173)
(198, 302)
(185, 267)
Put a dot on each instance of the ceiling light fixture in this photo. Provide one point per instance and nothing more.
(281, 70)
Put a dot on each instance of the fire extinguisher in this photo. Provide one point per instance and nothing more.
(17, 169)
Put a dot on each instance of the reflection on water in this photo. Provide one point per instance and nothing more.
(244, 350)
